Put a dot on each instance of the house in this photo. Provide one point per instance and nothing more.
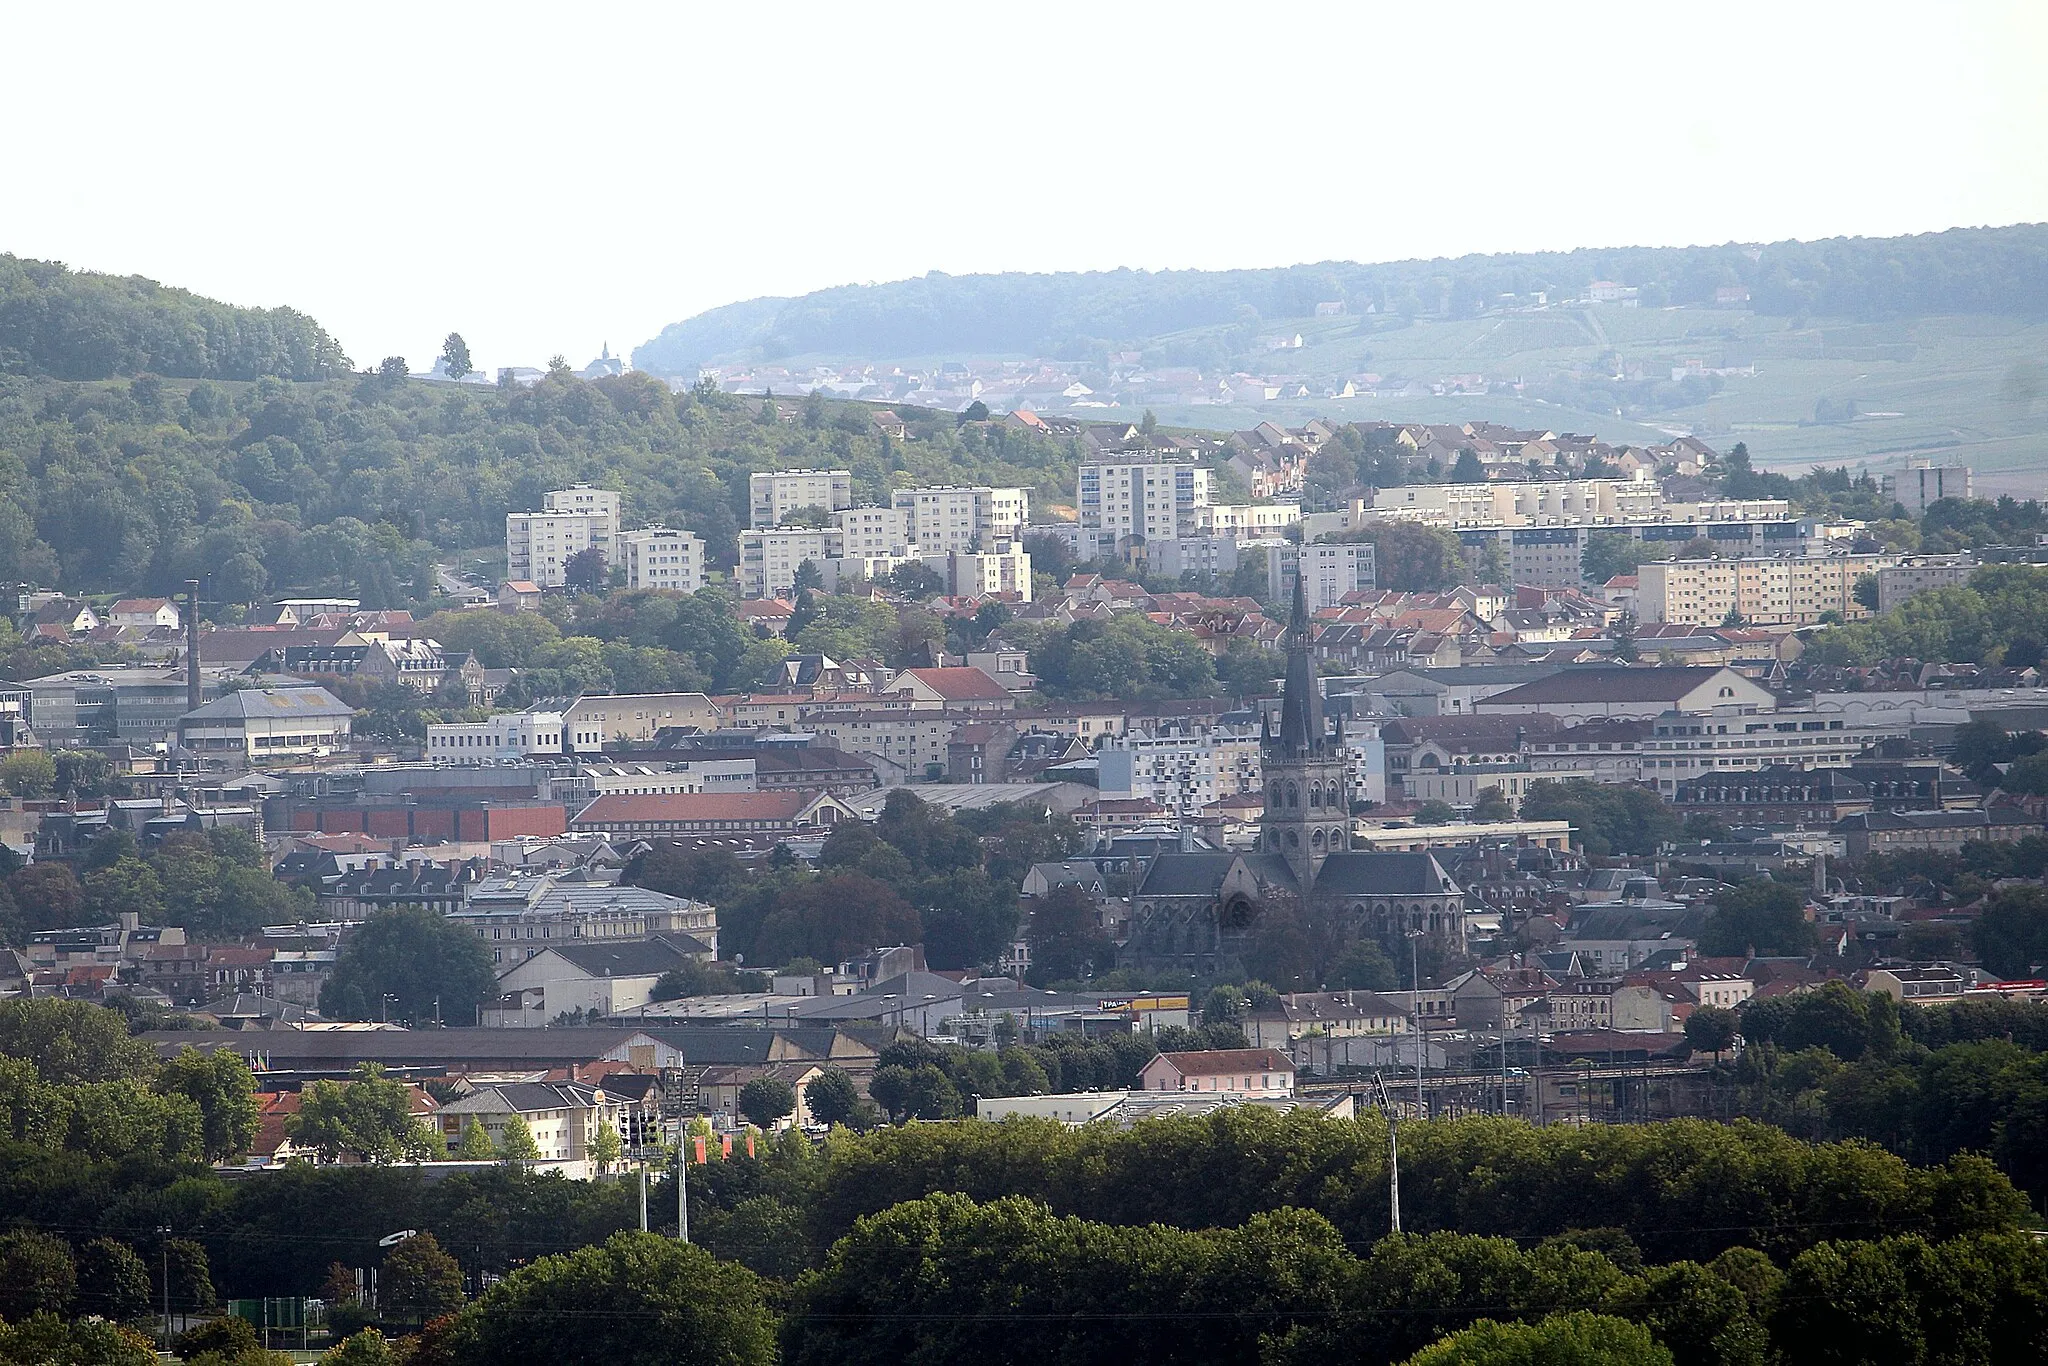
(1941, 831)
(145, 613)
(1324, 1014)
(597, 979)
(1637, 694)
(1250, 1072)
(1920, 985)
(519, 595)
(60, 619)
(979, 752)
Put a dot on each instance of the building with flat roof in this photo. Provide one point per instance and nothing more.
(772, 495)
(657, 556)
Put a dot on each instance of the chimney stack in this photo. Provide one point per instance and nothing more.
(192, 697)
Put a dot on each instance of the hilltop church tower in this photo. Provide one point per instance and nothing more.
(1308, 780)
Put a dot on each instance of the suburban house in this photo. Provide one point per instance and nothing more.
(1250, 1072)
(718, 1090)
(960, 687)
(145, 614)
(1324, 1014)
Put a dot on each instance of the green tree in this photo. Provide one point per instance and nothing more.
(365, 1348)
(1580, 1339)
(1609, 554)
(392, 369)
(455, 357)
(1434, 812)
(832, 1097)
(1865, 592)
(1712, 1029)
(191, 1276)
(585, 571)
(2011, 935)
(607, 1149)
(922, 1092)
(369, 1117)
(1491, 805)
(128, 886)
(1760, 917)
(637, 1300)
(475, 1144)
(36, 1274)
(1468, 468)
(29, 773)
(227, 1339)
(766, 1101)
(72, 1041)
(224, 1089)
(516, 1143)
(1066, 937)
(430, 967)
(112, 1281)
(420, 1280)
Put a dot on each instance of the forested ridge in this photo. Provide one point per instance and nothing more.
(358, 485)
(81, 325)
(1076, 315)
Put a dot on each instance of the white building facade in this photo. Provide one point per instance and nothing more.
(662, 557)
(1124, 503)
(774, 495)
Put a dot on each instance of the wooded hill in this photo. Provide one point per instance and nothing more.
(1999, 271)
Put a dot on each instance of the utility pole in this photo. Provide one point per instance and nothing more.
(163, 1233)
(683, 1184)
(1393, 1154)
(1415, 999)
(643, 1196)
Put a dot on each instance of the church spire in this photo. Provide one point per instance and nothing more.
(1301, 699)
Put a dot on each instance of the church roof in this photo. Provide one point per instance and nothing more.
(1390, 874)
(1178, 874)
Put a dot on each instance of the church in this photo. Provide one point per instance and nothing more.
(1204, 912)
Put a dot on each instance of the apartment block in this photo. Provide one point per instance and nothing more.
(1183, 768)
(585, 501)
(1923, 482)
(914, 741)
(1124, 504)
(1246, 521)
(1553, 556)
(662, 557)
(1684, 745)
(773, 495)
(1003, 569)
(513, 736)
(1328, 571)
(1919, 573)
(539, 545)
(958, 517)
(868, 531)
(1777, 590)
(769, 559)
(1562, 502)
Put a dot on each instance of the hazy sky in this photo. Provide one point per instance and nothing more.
(546, 179)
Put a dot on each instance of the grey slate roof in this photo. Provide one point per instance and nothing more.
(632, 958)
(273, 703)
(1378, 874)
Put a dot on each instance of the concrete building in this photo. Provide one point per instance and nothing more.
(662, 557)
(1916, 574)
(261, 725)
(1639, 694)
(596, 720)
(1683, 746)
(773, 495)
(1182, 768)
(1774, 590)
(872, 531)
(1003, 567)
(952, 518)
(137, 706)
(1126, 503)
(538, 545)
(1923, 482)
(1329, 570)
(1246, 521)
(769, 559)
(509, 738)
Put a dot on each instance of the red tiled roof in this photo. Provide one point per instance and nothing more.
(960, 684)
(1216, 1062)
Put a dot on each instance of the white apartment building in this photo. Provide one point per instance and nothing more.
(959, 517)
(1182, 768)
(1218, 555)
(500, 739)
(1916, 574)
(1923, 482)
(662, 557)
(1563, 502)
(586, 501)
(1003, 569)
(1246, 521)
(769, 558)
(1328, 571)
(913, 740)
(869, 531)
(1773, 590)
(773, 495)
(1684, 745)
(1125, 502)
(538, 545)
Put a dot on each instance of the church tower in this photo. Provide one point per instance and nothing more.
(1308, 782)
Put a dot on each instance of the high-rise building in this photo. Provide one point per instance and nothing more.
(773, 495)
(869, 531)
(538, 545)
(959, 517)
(1128, 502)
(1329, 571)
(662, 557)
(1765, 590)
(769, 559)
(1923, 482)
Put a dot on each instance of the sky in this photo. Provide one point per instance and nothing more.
(549, 179)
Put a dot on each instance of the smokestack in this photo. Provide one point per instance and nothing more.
(192, 697)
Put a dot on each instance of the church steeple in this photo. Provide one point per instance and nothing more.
(1308, 786)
